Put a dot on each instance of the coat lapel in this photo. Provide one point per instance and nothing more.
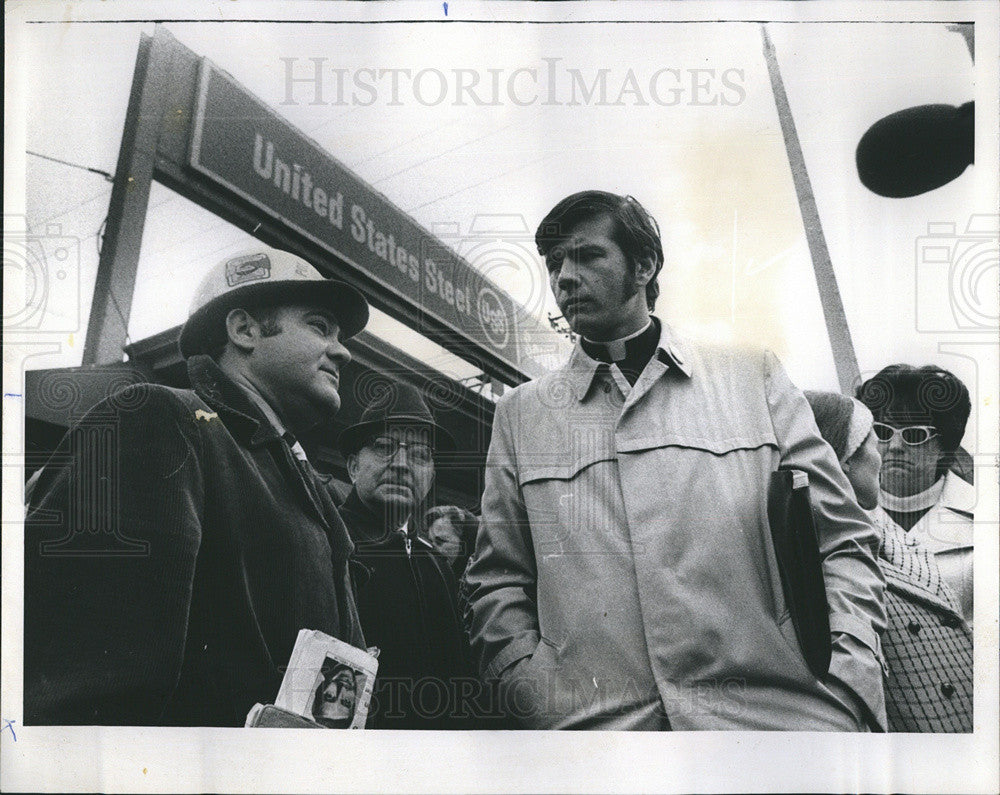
(911, 568)
(246, 423)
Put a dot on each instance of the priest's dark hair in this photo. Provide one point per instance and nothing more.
(634, 230)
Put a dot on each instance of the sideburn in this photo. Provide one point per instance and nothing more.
(631, 287)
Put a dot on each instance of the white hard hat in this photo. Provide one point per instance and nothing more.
(267, 277)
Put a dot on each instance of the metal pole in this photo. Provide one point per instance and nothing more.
(848, 374)
(107, 330)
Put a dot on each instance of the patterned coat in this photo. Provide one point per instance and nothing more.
(928, 647)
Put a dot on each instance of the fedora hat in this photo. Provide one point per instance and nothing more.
(266, 277)
(399, 404)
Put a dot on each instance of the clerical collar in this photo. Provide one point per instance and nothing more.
(920, 501)
(615, 350)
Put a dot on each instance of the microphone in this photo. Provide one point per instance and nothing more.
(917, 150)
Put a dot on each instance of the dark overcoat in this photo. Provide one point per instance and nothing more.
(174, 547)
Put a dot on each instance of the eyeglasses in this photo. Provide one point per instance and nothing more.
(386, 447)
(912, 435)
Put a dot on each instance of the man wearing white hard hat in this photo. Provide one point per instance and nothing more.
(178, 601)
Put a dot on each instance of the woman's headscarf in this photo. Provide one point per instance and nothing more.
(843, 421)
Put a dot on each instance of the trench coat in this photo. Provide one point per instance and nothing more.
(174, 547)
(624, 575)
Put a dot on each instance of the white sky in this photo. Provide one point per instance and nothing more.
(715, 176)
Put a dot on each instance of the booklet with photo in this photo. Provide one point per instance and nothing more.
(328, 681)
(268, 716)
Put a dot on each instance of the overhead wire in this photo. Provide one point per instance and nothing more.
(482, 182)
(108, 176)
(462, 145)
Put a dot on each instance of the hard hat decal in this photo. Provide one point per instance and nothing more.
(266, 277)
(250, 268)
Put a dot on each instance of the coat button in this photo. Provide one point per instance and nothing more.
(606, 388)
(947, 690)
(914, 627)
(952, 622)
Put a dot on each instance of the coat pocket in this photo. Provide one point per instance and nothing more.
(526, 687)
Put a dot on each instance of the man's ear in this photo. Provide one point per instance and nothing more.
(352, 467)
(645, 269)
(242, 329)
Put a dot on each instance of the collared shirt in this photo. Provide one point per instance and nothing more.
(624, 569)
(271, 416)
(584, 369)
(629, 355)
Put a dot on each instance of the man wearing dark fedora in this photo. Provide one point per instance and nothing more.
(408, 605)
(173, 557)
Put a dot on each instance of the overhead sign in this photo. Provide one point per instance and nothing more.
(252, 151)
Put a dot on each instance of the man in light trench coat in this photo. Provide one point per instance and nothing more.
(624, 575)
